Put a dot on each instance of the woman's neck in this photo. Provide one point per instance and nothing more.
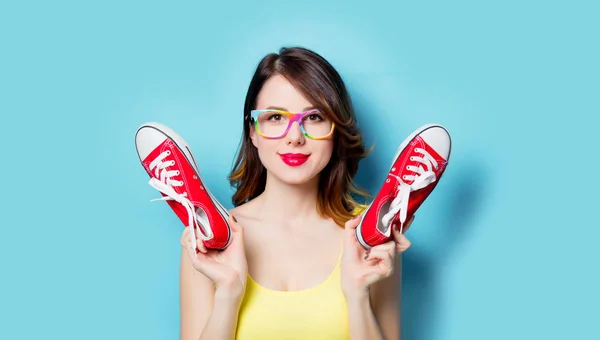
(287, 202)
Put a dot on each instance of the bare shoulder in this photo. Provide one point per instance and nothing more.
(237, 211)
(247, 217)
(244, 211)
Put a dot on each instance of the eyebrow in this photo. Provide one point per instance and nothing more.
(284, 109)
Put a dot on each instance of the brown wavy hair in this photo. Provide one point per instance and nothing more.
(321, 84)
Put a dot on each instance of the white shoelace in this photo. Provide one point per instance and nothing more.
(166, 184)
(422, 179)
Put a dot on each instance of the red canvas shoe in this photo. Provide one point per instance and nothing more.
(416, 170)
(168, 160)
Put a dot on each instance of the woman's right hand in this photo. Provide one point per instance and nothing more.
(227, 268)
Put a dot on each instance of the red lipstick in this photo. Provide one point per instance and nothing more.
(294, 159)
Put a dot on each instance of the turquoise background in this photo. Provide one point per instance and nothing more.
(505, 248)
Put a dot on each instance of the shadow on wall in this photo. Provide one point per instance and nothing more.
(464, 195)
(422, 282)
(462, 202)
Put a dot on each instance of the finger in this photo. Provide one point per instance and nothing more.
(378, 254)
(235, 226)
(353, 223)
(185, 238)
(385, 261)
(207, 265)
(350, 230)
(396, 232)
(193, 255)
(402, 247)
(389, 247)
(404, 226)
(199, 242)
(402, 242)
(200, 261)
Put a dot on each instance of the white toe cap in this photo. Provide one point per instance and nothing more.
(148, 137)
(438, 138)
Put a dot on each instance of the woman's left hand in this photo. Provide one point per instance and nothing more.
(361, 268)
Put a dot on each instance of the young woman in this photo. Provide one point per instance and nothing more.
(293, 268)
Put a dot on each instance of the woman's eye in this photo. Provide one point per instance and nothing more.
(314, 116)
(275, 117)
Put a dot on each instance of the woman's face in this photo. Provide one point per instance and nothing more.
(293, 158)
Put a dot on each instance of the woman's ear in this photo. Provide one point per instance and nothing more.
(253, 135)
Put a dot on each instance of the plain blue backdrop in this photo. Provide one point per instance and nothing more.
(505, 248)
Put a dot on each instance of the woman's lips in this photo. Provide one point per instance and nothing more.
(294, 159)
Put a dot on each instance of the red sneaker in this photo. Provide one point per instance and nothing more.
(416, 170)
(168, 160)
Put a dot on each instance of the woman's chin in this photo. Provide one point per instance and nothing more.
(295, 176)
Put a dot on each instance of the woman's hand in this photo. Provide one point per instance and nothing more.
(227, 268)
(361, 268)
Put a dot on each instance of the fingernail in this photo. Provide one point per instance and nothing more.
(234, 219)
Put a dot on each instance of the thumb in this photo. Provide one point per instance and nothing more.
(205, 264)
(233, 223)
(351, 225)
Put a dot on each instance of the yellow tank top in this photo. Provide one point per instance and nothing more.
(315, 313)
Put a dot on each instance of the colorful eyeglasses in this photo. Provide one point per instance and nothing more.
(273, 124)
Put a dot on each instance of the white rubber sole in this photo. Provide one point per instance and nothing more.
(402, 146)
(183, 146)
